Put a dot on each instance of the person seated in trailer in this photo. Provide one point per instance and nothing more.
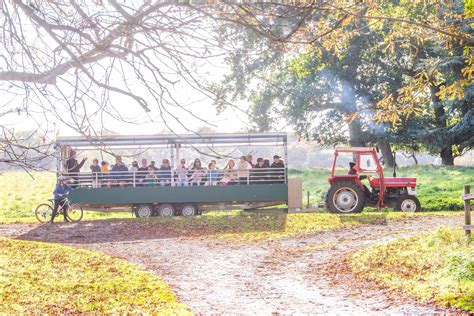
(104, 167)
(197, 173)
(73, 167)
(250, 160)
(243, 170)
(212, 174)
(165, 173)
(153, 165)
(279, 175)
(60, 192)
(104, 172)
(230, 173)
(142, 171)
(134, 166)
(259, 172)
(267, 174)
(95, 169)
(119, 172)
(181, 173)
(150, 179)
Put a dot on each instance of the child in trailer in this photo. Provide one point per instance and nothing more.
(165, 173)
(259, 172)
(95, 169)
(182, 174)
(60, 192)
(212, 174)
(150, 179)
(197, 173)
(104, 172)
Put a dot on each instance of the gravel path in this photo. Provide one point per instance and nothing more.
(288, 276)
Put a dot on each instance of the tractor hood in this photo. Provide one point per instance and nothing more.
(394, 182)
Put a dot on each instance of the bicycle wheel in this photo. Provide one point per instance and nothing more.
(43, 213)
(74, 213)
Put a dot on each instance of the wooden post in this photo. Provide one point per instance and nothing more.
(467, 209)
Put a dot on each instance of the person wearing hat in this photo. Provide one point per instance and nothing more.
(72, 166)
(279, 175)
(60, 192)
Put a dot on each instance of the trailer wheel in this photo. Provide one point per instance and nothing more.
(189, 209)
(408, 203)
(166, 210)
(345, 197)
(143, 210)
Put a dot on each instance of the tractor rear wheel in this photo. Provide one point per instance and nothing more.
(345, 197)
(408, 203)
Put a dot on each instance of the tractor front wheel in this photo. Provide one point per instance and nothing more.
(408, 203)
(345, 197)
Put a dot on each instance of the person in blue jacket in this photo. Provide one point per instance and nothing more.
(59, 195)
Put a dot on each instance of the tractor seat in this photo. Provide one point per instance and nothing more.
(394, 182)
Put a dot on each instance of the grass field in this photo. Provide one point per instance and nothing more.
(439, 189)
(39, 278)
(435, 267)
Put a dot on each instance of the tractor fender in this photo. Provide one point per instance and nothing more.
(347, 177)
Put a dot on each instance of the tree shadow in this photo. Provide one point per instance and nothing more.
(128, 230)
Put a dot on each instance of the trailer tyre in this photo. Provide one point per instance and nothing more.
(345, 197)
(189, 209)
(166, 210)
(408, 203)
(143, 210)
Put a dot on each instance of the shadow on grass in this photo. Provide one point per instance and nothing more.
(123, 230)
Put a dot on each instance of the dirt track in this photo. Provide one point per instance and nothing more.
(288, 276)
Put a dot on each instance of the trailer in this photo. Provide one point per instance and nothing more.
(128, 191)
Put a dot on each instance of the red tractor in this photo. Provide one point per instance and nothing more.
(348, 194)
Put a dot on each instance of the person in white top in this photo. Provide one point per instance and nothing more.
(182, 174)
(243, 170)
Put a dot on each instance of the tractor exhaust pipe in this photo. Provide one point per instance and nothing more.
(394, 164)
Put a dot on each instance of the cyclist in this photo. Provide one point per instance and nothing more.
(59, 196)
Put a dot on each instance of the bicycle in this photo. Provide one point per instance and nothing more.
(44, 211)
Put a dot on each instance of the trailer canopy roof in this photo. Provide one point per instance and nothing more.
(167, 140)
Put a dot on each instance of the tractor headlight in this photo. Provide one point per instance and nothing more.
(411, 191)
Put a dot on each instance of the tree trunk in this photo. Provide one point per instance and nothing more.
(387, 154)
(355, 134)
(349, 106)
(447, 157)
(446, 151)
